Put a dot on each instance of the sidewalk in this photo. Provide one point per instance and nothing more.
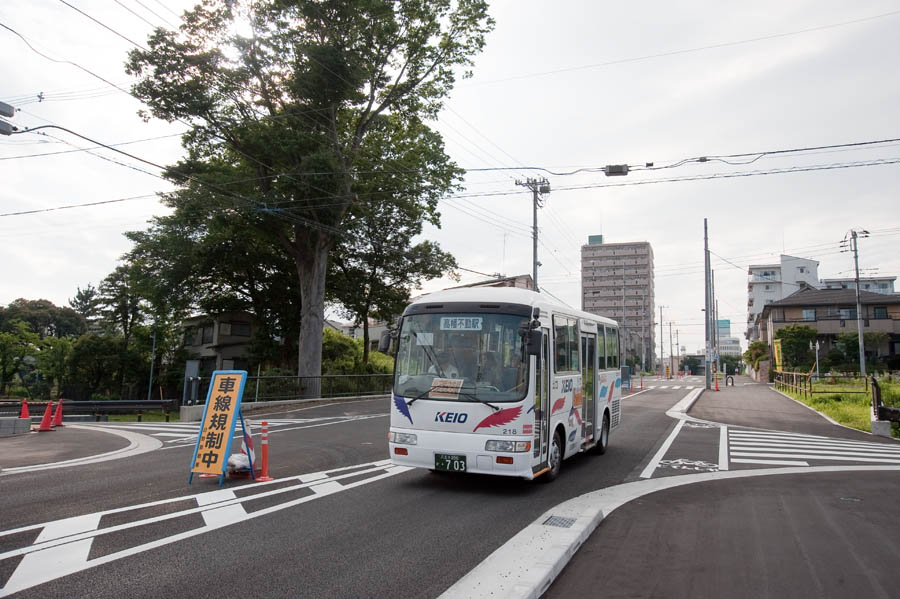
(65, 443)
(756, 405)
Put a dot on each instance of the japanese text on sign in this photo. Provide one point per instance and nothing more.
(461, 323)
(222, 405)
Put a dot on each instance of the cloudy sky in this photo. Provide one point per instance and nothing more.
(562, 85)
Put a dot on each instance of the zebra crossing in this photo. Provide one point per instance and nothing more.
(772, 448)
(185, 433)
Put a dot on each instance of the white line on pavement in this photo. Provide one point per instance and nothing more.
(651, 467)
(770, 462)
(723, 448)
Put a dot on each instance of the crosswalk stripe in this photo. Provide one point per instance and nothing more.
(770, 462)
(815, 441)
(816, 445)
(808, 456)
(812, 450)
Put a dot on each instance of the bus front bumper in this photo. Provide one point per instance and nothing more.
(441, 451)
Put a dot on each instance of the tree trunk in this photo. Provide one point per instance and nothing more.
(311, 269)
(365, 338)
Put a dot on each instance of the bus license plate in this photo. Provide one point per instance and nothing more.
(449, 463)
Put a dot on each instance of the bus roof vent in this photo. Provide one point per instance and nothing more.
(559, 522)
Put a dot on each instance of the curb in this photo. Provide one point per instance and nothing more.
(558, 533)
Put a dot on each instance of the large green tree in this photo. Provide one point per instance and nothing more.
(375, 265)
(279, 116)
(45, 318)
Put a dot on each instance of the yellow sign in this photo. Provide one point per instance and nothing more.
(223, 408)
(777, 344)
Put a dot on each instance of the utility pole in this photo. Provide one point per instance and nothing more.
(718, 352)
(644, 320)
(662, 346)
(538, 187)
(671, 353)
(624, 314)
(706, 289)
(853, 243)
(678, 350)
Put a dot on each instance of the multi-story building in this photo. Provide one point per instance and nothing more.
(832, 312)
(873, 284)
(771, 282)
(728, 345)
(617, 282)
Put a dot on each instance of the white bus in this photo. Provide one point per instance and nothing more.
(500, 380)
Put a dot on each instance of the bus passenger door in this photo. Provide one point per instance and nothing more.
(588, 376)
(542, 403)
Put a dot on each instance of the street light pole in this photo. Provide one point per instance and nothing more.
(706, 288)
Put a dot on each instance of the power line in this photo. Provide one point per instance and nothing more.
(686, 50)
(105, 26)
(69, 206)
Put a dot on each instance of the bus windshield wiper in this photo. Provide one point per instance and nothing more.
(461, 394)
(484, 401)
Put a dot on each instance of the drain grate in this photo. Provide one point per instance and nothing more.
(559, 522)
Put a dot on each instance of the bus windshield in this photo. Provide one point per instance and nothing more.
(462, 357)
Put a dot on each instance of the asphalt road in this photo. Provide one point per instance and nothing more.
(411, 534)
(339, 521)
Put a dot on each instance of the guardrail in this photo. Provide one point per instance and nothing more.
(96, 408)
(879, 410)
(279, 388)
(806, 384)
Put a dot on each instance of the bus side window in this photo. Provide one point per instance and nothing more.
(612, 347)
(601, 348)
(561, 344)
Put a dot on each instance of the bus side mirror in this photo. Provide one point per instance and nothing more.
(533, 344)
(384, 342)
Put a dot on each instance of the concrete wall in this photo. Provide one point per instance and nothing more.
(14, 426)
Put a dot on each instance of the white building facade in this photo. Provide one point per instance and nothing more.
(768, 283)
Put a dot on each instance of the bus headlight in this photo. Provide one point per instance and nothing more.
(507, 446)
(402, 438)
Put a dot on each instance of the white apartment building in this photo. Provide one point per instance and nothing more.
(874, 284)
(771, 282)
(617, 275)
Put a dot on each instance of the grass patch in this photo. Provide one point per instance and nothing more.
(145, 417)
(850, 409)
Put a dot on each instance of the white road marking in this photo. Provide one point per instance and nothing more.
(770, 462)
(138, 444)
(812, 456)
(773, 439)
(723, 448)
(651, 467)
(821, 449)
(677, 387)
(68, 542)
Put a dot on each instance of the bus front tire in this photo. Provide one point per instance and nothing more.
(555, 458)
(603, 441)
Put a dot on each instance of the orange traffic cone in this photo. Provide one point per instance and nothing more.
(265, 454)
(24, 413)
(57, 415)
(45, 421)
